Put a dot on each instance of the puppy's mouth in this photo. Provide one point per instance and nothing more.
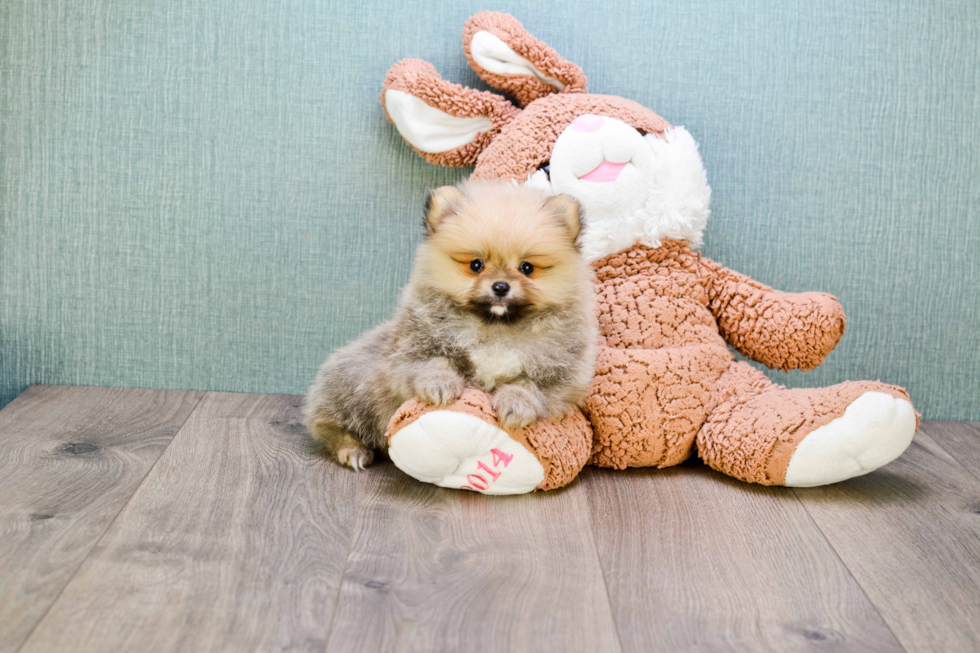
(498, 310)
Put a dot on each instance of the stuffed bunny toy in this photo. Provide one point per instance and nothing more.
(667, 386)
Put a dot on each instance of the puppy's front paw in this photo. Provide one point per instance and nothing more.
(355, 457)
(516, 406)
(440, 388)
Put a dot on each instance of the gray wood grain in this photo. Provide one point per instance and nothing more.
(960, 439)
(696, 561)
(71, 459)
(910, 535)
(120, 529)
(235, 542)
(441, 570)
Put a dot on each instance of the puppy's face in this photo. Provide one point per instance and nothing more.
(502, 251)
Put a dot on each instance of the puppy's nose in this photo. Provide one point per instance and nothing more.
(500, 288)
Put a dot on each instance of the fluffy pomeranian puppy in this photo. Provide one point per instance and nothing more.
(499, 299)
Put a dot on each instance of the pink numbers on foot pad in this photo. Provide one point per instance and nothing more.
(481, 480)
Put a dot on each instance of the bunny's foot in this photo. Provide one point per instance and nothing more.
(462, 446)
(768, 434)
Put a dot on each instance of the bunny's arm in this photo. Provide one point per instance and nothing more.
(782, 330)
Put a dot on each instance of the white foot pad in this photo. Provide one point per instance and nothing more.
(873, 431)
(452, 449)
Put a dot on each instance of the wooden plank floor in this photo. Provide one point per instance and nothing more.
(72, 458)
(151, 520)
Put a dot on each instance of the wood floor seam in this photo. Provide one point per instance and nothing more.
(235, 541)
(908, 535)
(602, 574)
(157, 521)
(110, 524)
(956, 459)
(844, 564)
(343, 574)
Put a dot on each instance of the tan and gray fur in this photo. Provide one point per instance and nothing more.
(533, 347)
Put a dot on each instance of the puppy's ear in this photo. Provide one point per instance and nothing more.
(440, 203)
(569, 213)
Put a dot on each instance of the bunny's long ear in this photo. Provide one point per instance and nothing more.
(446, 123)
(506, 56)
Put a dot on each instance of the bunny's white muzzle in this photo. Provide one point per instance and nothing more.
(633, 188)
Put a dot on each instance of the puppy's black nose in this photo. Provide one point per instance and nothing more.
(500, 288)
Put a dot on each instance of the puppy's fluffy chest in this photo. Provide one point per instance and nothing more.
(495, 362)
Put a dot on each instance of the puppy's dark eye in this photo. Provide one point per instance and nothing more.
(546, 166)
(526, 268)
(476, 265)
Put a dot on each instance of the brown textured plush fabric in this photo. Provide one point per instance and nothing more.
(668, 371)
(655, 298)
(784, 331)
(671, 295)
(666, 383)
(528, 139)
(523, 88)
(562, 446)
(419, 78)
(657, 379)
(757, 425)
(646, 405)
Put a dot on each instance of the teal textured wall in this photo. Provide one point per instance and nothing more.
(206, 194)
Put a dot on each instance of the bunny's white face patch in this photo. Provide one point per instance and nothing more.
(603, 163)
(633, 188)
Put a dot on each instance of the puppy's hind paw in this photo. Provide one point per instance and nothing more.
(357, 458)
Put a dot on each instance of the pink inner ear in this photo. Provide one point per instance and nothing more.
(587, 123)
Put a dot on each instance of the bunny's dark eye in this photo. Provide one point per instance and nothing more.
(526, 269)
(476, 265)
(546, 166)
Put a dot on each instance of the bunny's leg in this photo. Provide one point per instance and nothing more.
(646, 405)
(764, 433)
(462, 446)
